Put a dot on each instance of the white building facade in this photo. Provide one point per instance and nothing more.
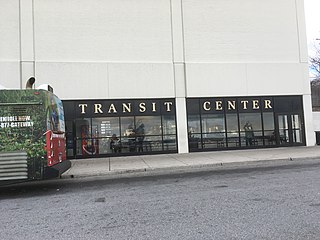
(201, 75)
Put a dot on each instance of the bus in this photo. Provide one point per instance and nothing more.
(32, 136)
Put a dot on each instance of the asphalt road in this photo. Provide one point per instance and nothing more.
(271, 203)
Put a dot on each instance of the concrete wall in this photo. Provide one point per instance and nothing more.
(250, 44)
(111, 49)
(157, 48)
(9, 44)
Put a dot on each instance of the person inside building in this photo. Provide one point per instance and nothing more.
(249, 135)
(115, 144)
(131, 134)
(140, 136)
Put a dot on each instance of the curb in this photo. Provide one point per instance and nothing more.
(197, 168)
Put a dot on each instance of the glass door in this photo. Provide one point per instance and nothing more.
(296, 125)
(290, 130)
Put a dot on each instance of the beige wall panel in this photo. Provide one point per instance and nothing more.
(9, 30)
(276, 79)
(216, 80)
(140, 80)
(99, 30)
(10, 74)
(74, 80)
(241, 31)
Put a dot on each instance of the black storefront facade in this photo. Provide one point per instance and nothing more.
(97, 128)
(245, 122)
(120, 127)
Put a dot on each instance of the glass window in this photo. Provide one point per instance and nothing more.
(195, 142)
(106, 134)
(148, 133)
(194, 124)
(151, 124)
(269, 129)
(109, 134)
(69, 138)
(213, 127)
(152, 144)
(232, 130)
(169, 142)
(169, 124)
(169, 133)
(84, 144)
(128, 140)
(105, 127)
(213, 123)
(244, 122)
(251, 129)
(296, 128)
(194, 132)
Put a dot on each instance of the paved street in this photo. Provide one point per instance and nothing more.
(273, 203)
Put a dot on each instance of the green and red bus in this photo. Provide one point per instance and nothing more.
(32, 136)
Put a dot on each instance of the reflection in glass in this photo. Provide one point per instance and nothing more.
(195, 142)
(169, 142)
(214, 140)
(152, 124)
(213, 123)
(69, 138)
(127, 126)
(246, 127)
(194, 132)
(169, 124)
(102, 131)
(148, 133)
(106, 127)
(213, 128)
(283, 129)
(84, 144)
(250, 129)
(232, 130)
(296, 128)
(269, 129)
(169, 132)
(193, 124)
(153, 144)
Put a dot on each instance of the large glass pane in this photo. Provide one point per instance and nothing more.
(194, 124)
(169, 133)
(194, 132)
(151, 124)
(148, 133)
(251, 129)
(213, 123)
(84, 144)
(169, 124)
(128, 140)
(195, 142)
(106, 133)
(213, 140)
(169, 143)
(69, 138)
(269, 129)
(296, 128)
(153, 144)
(283, 129)
(213, 129)
(232, 130)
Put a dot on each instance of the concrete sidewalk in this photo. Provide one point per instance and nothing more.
(189, 162)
